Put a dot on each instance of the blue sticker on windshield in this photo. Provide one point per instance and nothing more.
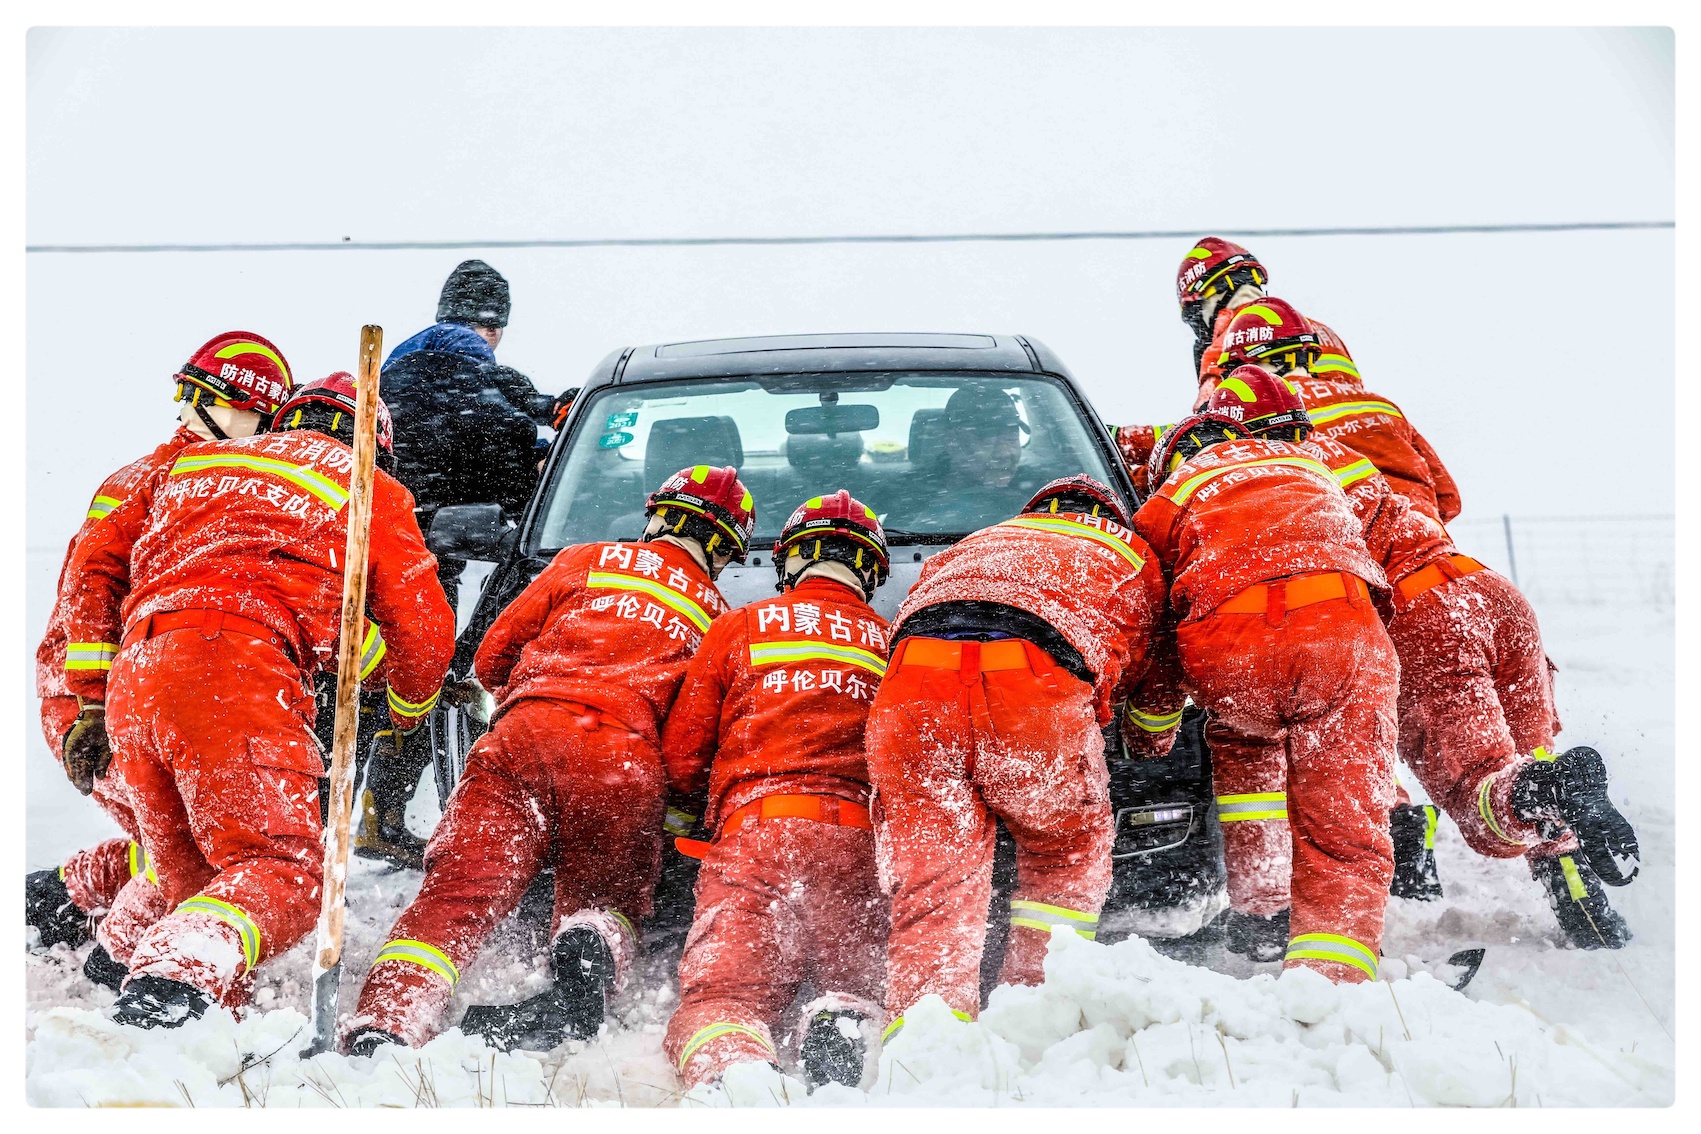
(614, 440)
(622, 420)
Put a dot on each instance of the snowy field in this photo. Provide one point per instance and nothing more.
(1113, 1025)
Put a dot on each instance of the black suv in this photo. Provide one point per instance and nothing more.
(800, 415)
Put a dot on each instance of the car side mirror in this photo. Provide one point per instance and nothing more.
(467, 531)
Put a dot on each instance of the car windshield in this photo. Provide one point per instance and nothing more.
(936, 455)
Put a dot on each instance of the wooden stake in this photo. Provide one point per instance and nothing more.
(328, 952)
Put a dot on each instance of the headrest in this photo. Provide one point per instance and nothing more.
(681, 442)
(927, 438)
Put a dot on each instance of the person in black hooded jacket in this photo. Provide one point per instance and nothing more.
(466, 426)
(466, 432)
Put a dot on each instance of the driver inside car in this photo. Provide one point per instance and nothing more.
(980, 473)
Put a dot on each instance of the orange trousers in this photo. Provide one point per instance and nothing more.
(1302, 753)
(214, 755)
(1476, 700)
(549, 785)
(780, 904)
(94, 876)
(949, 750)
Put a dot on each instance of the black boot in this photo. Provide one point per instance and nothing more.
(1415, 876)
(834, 1052)
(367, 1041)
(573, 1009)
(158, 1002)
(48, 907)
(1260, 938)
(103, 970)
(1570, 792)
(1580, 903)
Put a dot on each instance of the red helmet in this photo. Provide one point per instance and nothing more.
(840, 528)
(718, 496)
(1264, 329)
(1212, 265)
(247, 371)
(1260, 401)
(1079, 493)
(1186, 439)
(337, 391)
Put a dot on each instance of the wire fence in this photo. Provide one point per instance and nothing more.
(1579, 560)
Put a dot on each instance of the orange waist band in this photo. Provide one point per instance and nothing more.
(1432, 576)
(1301, 590)
(821, 808)
(937, 653)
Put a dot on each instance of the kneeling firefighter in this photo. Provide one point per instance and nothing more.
(584, 666)
(770, 724)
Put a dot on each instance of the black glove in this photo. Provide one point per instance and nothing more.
(87, 750)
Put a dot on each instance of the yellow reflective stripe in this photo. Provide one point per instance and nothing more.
(1252, 806)
(625, 922)
(678, 822)
(1073, 527)
(419, 953)
(714, 1031)
(1359, 470)
(248, 346)
(232, 916)
(1544, 755)
(372, 650)
(1153, 722)
(1486, 810)
(1333, 947)
(89, 655)
(1038, 915)
(401, 706)
(312, 480)
(1431, 818)
(1334, 364)
(772, 653)
(102, 506)
(141, 864)
(1189, 487)
(897, 1025)
(1573, 880)
(667, 596)
(1326, 414)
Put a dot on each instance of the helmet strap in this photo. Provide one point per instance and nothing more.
(207, 419)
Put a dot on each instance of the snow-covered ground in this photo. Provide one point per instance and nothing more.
(1114, 1024)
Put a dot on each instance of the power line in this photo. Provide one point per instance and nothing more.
(938, 238)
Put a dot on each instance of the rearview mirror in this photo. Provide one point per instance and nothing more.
(832, 419)
(466, 531)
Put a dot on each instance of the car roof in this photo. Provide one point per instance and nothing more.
(830, 353)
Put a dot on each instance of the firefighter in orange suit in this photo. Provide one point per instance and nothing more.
(219, 590)
(768, 728)
(228, 388)
(1279, 638)
(1007, 657)
(584, 666)
(1477, 719)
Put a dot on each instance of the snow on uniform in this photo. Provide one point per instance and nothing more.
(965, 730)
(95, 874)
(770, 721)
(1279, 639)
(584, 665)
(1476, 691)
(1341, 408)
(233, 565)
